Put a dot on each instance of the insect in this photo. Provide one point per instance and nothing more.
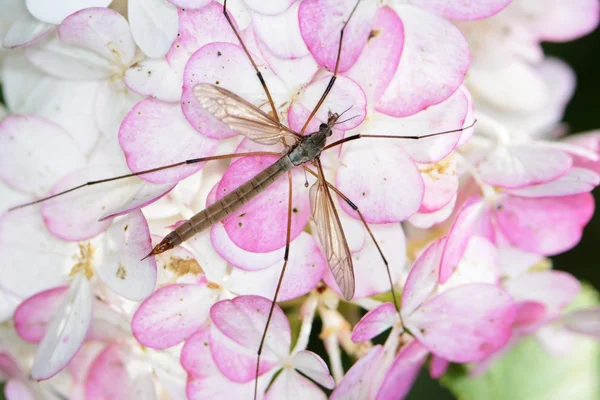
(301, 151)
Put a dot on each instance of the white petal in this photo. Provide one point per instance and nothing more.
(155, 78)
(55, 12)
(153, 25)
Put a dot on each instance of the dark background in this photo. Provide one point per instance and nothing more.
(582, 114)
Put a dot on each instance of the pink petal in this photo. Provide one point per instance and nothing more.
(427, 220)
(403, 372)
(575, 181)
(243, 320)
(546, 225)
(153, 25)
(423, 277)
(465, 225)
(529, 314)
(261, 224)
(313, 366)
(145, 144)
(369, 268)
(441, 184)
(321, 23)
(66, 332)
(382, 181)
(303, 273)
(438, 367)
(57, 13)
(197, 27)
(108, 377)
(463, 9)
(172, 314)
(558, 21)
(374, 322)
(585, 322)
(33, 316)
(553, 289)
(8, 366)
(16, 389)
(516, 166)
(357, 383)
(291, 385)
(125, 243)
(479, 264)
(156, 78)
(280, 33)
(589, 141)
(464, 324)
(34, 153)
(269, 7)
(431, 45)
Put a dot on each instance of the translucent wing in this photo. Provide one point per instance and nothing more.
(332, 237)
(241, 116)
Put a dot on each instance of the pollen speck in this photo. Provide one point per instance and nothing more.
(121, 272)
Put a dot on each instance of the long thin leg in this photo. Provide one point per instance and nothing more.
(335, 72)
(258, 73)
(361, 136)
(164, 167)
(285, 263)
(362, 218)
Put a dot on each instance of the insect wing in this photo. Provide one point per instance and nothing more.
(241, 116)
(332, 238)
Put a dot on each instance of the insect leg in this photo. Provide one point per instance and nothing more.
(285, 263)
(148, 171)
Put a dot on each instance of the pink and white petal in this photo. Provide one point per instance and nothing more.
(102, 31)
(464, 324)
(382, 181)
(431, 45)
(374, 322)
(172, 314)
(369, 268)
(66, 332)
(145, 144)
(260, 225)
(32, 317)
(575, 181)
(449, 115)
(58, 12)
(479, 264)
(529, 315)
(24, 31)
(156, 78)
(423, 277)
(515, 166)
(559, 22)
(546, 225)
(466, 224)
(585, 322)
(357, 383)
(462, 9)
(236, 362)
(321, 23)
(198, 27)
(553, 289)
(514, 262)
(8, 365)
(303, 273)
(379, 59)
(193, 4)
(35, 152)
(403, 372)
(125, 243)
(24, 243)
(133, 196)
(427, 220)
(438, 367)
(313, 366)
(588, 140)
(108, 377)
(280, 33)
(243, 320)
(16, 389)
(154, 25)
(65, 61)
(290, 385)
(441, 184)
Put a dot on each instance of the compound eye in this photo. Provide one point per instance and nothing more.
(323, 126)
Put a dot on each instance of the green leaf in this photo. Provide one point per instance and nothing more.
(528, 372)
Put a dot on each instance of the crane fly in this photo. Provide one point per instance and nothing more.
(300, 151)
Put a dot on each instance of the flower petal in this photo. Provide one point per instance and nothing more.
(462, 9)
(57, 13)
(269, 7)
(357, 383)
(403, 372)
(66, 332)
(374, 322)
(108, 377)
(575, 181)
(313, 366)
(586, 322)
(153, 25)
(172, 314)
(33, 316)
(280, 33)
(441, 184)
(25, 30)
(291, 385)
(156, 78)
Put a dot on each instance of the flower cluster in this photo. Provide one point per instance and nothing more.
(464, 219)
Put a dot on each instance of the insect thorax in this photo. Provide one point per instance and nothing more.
(309, 148)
